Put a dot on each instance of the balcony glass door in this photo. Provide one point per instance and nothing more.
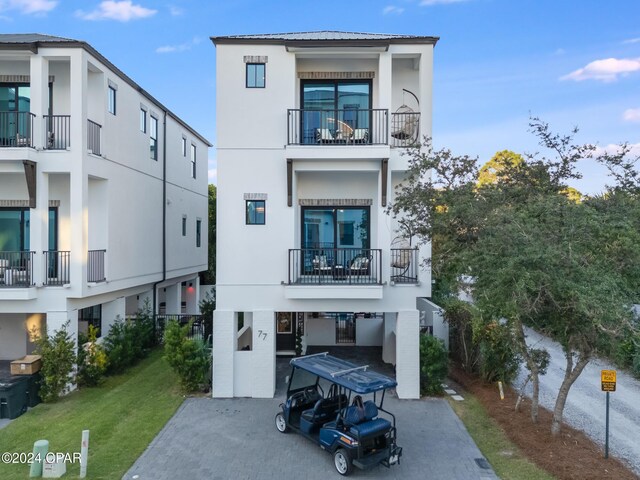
(15, 122)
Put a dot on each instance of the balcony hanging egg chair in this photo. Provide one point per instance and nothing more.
(404, 123)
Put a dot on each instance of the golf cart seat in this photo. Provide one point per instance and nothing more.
(322, 412)
(363, 422)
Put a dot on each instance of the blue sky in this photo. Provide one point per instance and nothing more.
(498, 61)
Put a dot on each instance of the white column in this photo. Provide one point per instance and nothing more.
(389, 338)
(225, 327)
(39, 97)
(192, 296)
(264, 354)
(111, 311)
(385, 87)
(426, 88)
(173, 299)
(408, 354)
(55, 321)
(39, 225)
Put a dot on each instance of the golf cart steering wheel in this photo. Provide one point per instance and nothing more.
(310, 393)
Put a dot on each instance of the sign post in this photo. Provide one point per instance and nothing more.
(608, 381)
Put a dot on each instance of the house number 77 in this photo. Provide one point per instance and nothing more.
(262, 335)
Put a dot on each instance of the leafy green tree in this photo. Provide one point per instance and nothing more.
(209, 277)
(489, 172)
(434, 364)
(189, 358)
(58, 360)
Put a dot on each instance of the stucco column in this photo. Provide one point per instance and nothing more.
(111, 311)
(39, 97)
(192, 296)
(426, 88)
(389, 338)
(225, 328)
(39, 226)
(264, 354)
(408, 354)
(173, 299)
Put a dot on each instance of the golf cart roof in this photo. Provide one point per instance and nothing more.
(358, 379)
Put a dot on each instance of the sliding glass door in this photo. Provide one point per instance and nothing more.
(15, 121)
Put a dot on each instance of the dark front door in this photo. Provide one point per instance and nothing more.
(345, 328)
(285, 331)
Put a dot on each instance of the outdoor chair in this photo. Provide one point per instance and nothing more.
(323, 135)
(361, 135)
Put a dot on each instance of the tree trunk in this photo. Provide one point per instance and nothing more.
(533, 369)
(571, 374)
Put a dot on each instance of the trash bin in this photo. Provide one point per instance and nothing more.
(13, 396)
(33, 389)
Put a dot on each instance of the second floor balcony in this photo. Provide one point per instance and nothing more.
(352, 127)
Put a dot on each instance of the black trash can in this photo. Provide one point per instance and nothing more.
(13, 396)
(33, 389)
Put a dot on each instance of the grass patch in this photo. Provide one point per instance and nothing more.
(123, 415)
(505, 458)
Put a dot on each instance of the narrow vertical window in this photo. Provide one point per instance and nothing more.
(198, 232)
(112, 100)
(255, 212)
(184, 146)
(193, 161)
(153, 138)
(143, 120)
(256, 75)
(184, 225)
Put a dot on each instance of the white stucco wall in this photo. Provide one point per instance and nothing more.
(13, 341)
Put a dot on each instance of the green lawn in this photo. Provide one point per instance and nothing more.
(504, 456)
(123, 415)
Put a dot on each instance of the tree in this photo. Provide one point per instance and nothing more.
(209, 277)
(537, 257)
(489, 172)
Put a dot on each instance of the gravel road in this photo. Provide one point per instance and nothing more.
(585, 408)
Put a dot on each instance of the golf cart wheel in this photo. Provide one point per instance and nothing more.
(281, 424)
(342, 461)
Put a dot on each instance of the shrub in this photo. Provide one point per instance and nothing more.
(434, 364)
(119, 346)
(460, 317)
(58, 359)
(189, 358)
(92, 359)
(499, 357)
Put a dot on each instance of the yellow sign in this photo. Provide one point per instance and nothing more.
(608, 380)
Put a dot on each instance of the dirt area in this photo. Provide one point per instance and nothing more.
(571, 456)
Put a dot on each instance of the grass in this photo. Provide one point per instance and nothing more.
(505, 458)
(123, 415)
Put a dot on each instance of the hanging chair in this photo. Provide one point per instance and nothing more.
(404, 122)
(401, 259)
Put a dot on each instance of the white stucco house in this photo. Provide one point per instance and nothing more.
(103, 194)
(310, 129)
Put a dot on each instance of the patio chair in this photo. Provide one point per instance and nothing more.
(401, 260)
(361, 135)
(360, 265)
(321, 266)
(323, 135)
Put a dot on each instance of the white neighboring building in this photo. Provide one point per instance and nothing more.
(103, 194)
(311, 128)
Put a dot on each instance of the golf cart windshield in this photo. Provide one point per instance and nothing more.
(301, 379)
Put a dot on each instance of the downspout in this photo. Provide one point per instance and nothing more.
(164, 211)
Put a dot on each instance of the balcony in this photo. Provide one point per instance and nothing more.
(93, 137)
(16, 129)
(16, 269)
(57, 264)
(95, 266)
(335, 266)
(58, 132)
(352, 127)
(404, 265)
(405, 129)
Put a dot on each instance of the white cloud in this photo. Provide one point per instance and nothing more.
(28, 6)
(634, 149)
(178, 48)
(122, 11)
(632, 40)
(175, 11)
(429, 3)
(605, 70)
(631, 115)
(392, 9)
(213, 174)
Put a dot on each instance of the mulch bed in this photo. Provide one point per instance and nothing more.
(570, 456)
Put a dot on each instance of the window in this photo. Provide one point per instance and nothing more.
(198, 232)
(184, 146)
(143, 120)
(193, 160)
(112, 100)
(335, 227)
(255, 75)
(153, 138)
(184, 225)
(256, 210)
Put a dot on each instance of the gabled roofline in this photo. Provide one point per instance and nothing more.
(369, 42)
(34, 46)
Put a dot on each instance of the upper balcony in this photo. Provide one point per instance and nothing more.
(352, 127)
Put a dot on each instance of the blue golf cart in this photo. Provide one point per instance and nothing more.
(339, 406)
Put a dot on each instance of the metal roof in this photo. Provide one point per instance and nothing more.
(33, 41)
(357, 378)
(325, 36)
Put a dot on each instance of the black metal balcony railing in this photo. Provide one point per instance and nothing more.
(345, 266)
(405, 129)
(16, 269)
(95, 266)
(57, 132)
(337, 127)
(93, 137)
(404, 265)
(16, 129)
(201, 327)
(57, 266)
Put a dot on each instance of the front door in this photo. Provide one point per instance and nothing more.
(286, 331)
(345, 328)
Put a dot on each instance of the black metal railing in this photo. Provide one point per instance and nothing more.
(346, 266)
(95, 266)
(57, 267)
(16, 269)
(201, 327)
(405, 129)
(16, 129)
(57, 130)
(404, 265)
(93, 137)
(337, 127)
(345, 328)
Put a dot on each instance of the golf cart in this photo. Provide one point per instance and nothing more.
(320, 406)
